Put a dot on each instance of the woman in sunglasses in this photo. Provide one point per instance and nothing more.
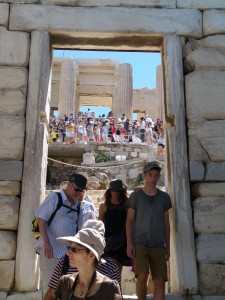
(113, 213)
(85, 250)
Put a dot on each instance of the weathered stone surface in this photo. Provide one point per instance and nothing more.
(205, 92)
(10, 188)
(9, 212)
(211, 279)
(12, 103)
(205, 59)
(115, 3)
(197, 170)
(7, 245)
(3, 295)
(215, 171)
(216, 189)
(210, 135)
(26, 296)
(14, 48)
(6, 274)
(209, 215)
(213, 22)
(88, 158)
(196, 152)
(93, 183)
(133, 173)
(183, 265)
(63, 20)
(13, 78)
(4, 13)
(210, 248)
(215, 41)
(12, 137)
(201, 4)
(11, 170)
(217, 297)
(102, 177)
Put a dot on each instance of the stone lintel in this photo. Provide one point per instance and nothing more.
(79, 21)
(201, 4)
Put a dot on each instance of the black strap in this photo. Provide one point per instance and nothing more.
(75, 284)
(60, 203)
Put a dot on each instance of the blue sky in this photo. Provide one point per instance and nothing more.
(143, 64)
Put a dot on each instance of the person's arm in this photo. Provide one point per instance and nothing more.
(102, 210)
(48, 251)
(129, 232)
(50, 294)
(166, 222)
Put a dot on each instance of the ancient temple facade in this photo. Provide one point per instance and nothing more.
(191, 38)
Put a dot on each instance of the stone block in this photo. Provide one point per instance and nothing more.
(205, 59)
(12, 137)
(14, 48)
(197, 170)
(9, 213)
(209, 189)
(213, 297)
(209, 215)
(101, 148)
(11, 170)
(13, 78)
(205, 95)
(115, 3)
(122, 177)
(133, 154)
(137, 149)
(12, 103)
(10, 188)
(215, 171)
(7, 245)
(211, 279)
(187, 22)
(114, 171)
(143, 155)
(215, 41)
(201, 4)
(3, 295)
(88, 158)
(4, 13)
(213, 22)
(210, 248)
(6, 274)
(26, 296)
(133, 173)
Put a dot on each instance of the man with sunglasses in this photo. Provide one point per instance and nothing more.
(64, 223)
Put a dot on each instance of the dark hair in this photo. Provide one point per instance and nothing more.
(122, 197)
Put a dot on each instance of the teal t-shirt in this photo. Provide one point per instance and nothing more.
(148, 223)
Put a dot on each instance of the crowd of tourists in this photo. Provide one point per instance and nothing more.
(87, 126)
(82, 253)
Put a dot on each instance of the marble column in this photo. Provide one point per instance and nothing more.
(66, 88)
(159, 94)
(123, 92)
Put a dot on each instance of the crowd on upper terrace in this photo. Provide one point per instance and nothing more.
(87, 126)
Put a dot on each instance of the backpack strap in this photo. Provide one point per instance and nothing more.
(66, 265)
(60, 201)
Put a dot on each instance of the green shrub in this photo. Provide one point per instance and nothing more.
(102, 157)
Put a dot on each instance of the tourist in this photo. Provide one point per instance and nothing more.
(113, 213)
(87, 210)
(85, 250)
(105, 132)
(70, 132)
(81, 131)
(161, 141)
(90, 131)
(109, 268)
(148, 233)
(64, 223)
(52, 135)
(98, 132)
(142, 131)
(148, 132)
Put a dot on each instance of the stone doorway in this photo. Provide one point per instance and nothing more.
(183, 262)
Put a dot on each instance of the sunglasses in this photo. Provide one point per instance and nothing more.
(73, 249)
(78, 190)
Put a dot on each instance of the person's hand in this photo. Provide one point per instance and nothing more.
(48, 251)
(130, 251)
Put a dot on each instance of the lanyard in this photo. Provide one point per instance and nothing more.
(75, 283)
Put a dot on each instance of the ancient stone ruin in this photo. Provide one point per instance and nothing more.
(191, 38)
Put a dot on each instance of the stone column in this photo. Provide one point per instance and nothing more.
(123, 94)
(66, 88)
(35, 160)
(183, 267)
(159, 94)
(76, 88)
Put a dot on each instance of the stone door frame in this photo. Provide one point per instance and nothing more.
(183, 262)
